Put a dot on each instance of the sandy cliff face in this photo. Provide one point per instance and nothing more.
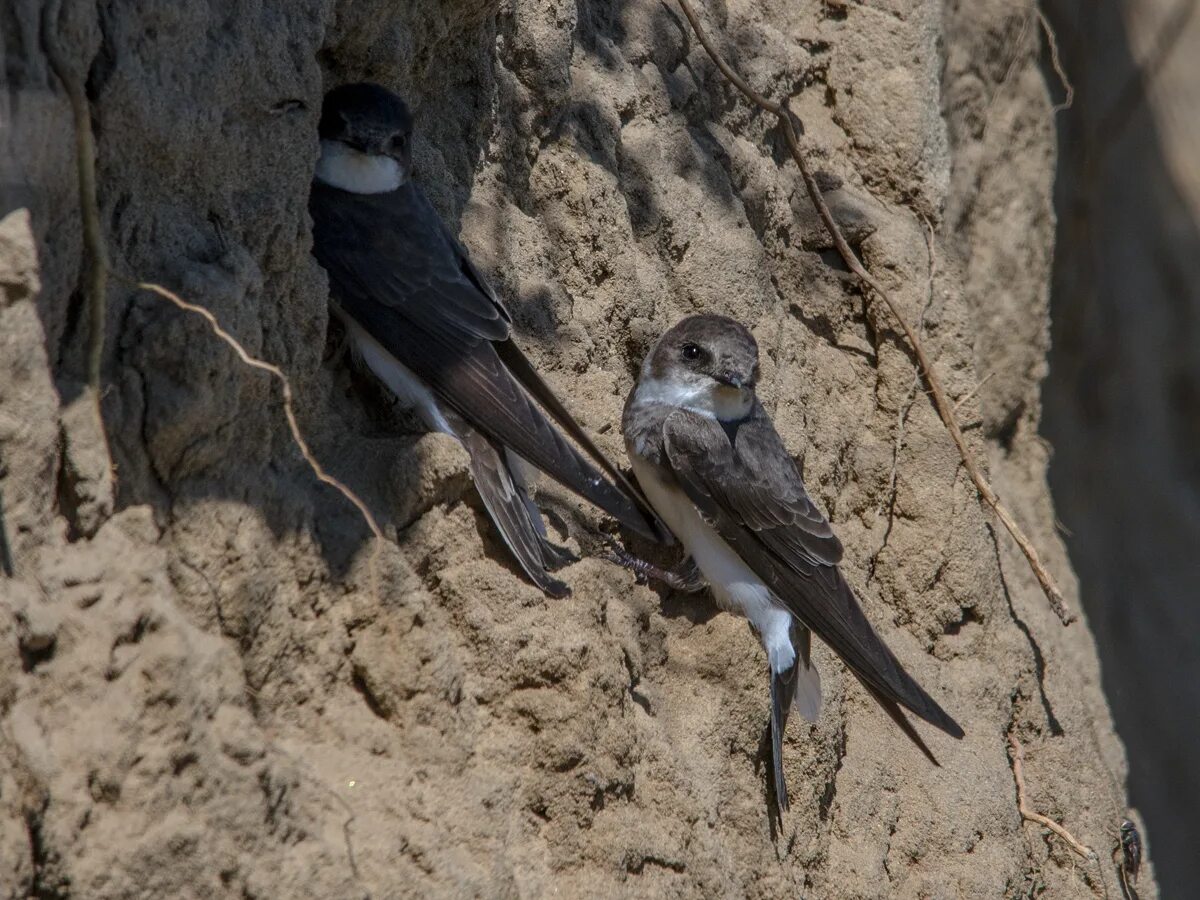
(201, 693)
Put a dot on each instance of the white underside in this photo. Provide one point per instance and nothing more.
(400, 380)
(700, 395)
(343, 167)
(733, 583)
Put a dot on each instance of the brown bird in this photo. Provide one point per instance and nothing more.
(713, 466)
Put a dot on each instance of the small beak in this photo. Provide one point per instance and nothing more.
(733, 379)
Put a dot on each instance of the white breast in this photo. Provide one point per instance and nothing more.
(702, 395)
(734, 584)
(351, 170)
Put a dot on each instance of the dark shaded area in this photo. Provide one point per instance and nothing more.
(140, 340)
(1123, 395)
(6, 565)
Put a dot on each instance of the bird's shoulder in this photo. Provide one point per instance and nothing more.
(399, 226)
(642, 425)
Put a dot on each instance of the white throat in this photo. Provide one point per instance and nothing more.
(343, 167)
(706, 397)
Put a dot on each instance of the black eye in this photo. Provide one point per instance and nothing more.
(399, 142)
(691, 352)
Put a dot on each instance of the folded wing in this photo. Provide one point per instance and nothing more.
(748, 488)
(395, 269)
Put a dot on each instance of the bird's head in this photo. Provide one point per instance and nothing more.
(366, 139)
(705, 363)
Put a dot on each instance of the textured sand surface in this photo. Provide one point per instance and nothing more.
(199, 694)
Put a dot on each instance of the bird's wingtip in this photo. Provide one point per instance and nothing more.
(942, 719)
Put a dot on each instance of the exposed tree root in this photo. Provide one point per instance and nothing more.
(1018, 760)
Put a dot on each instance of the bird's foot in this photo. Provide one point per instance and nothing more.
(685, 577)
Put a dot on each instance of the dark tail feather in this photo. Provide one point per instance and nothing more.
(481, 388)
(783, 688)
(555, 557)
(783, 695)
(529, 378)
(513, 512)
(892, 708)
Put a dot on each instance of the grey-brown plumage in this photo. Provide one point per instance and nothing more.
(427, 323)
(711, 462)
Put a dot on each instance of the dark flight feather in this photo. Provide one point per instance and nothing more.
(751, 493)
(508, 506)
(396, 270)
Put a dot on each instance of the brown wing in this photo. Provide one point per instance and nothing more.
(749, 490)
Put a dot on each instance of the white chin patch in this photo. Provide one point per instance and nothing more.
(352, 170)
(703, 396)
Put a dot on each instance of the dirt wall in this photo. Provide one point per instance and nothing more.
(202, 695)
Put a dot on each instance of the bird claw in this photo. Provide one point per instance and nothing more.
(626, 560)
(686, 579)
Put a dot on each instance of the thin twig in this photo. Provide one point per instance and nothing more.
(1056, 62)
(973, 391)
(910, 399)
(1018, 759)
(351, 815)
(902, 413)
(942, 403)
(89, 207)
(289, 411)
(89, 211)
(1018, 45)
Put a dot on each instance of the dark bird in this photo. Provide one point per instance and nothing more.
(711, 463)
(427, 324)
